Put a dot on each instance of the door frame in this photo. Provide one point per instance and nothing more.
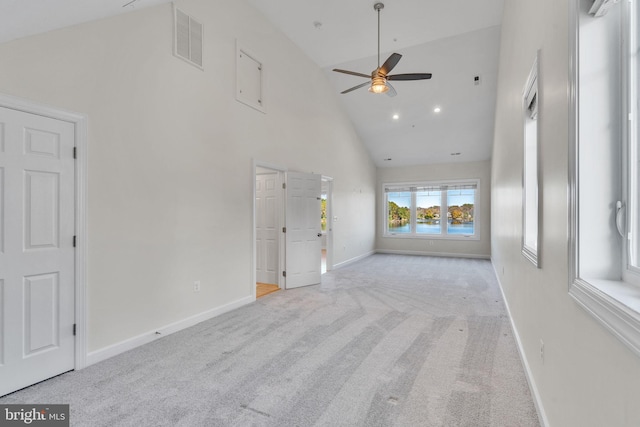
(280, 171)
(80, 257)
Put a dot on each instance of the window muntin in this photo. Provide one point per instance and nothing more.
(418, 210)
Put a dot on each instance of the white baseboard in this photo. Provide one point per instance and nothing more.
(425, 253)
(147, 337)
(352, 260)
(542, 416)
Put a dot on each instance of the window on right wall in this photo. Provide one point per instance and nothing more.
(530, 214)
(604, 190)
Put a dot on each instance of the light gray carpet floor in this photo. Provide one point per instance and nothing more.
(389, 341)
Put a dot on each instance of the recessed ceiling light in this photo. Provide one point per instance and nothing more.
(396, 117)
(437, 110)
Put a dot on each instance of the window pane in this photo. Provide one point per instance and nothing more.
(399, 208)
(428, 212)
(460, 212)
(634, 216)
(634, 145)
(323, 212)
(531, 184)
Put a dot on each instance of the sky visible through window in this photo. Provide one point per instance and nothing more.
(456, 197)
(461, 197)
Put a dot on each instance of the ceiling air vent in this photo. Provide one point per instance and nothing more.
(188, 36)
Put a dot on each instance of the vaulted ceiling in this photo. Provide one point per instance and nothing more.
(455, 40)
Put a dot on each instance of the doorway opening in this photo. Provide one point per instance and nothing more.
(287, 236)
(269, 220)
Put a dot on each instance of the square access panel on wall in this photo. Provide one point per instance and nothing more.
(249, 78)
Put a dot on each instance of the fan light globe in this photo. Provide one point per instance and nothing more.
(378, 85)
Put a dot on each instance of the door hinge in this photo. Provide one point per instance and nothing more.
(74, 241)
(74, 329)
(284, 274)
(284, 185)
(75, 152)
(284, 229)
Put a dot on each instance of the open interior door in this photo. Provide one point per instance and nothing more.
(303, 233)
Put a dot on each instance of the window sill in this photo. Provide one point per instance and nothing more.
(615, 304)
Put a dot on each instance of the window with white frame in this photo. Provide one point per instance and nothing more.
(530, 216)
(431, 209)
(632, 270)
(604, 193)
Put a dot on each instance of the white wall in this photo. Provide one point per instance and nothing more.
(587, 377)
(171, 150)
(438, 172)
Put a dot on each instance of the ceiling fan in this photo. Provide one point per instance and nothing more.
(380, 76)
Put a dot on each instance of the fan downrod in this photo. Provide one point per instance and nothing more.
(379, 78)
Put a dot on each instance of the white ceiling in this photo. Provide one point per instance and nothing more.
(21, 18)
(453, 39)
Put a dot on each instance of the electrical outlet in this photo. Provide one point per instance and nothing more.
(542, 351)
(196, 286)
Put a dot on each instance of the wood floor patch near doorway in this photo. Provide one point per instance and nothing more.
(263, 289)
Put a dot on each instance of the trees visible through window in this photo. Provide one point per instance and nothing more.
(416, 210)
(399, 212)
(323, 212)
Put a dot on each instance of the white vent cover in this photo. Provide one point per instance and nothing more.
(188, 34)
(601, 7)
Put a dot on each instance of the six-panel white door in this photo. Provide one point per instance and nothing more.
(304, 238)
(267, 246)
(37, 225)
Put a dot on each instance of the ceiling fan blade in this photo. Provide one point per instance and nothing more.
(412, 76)
(392, 91)
(353, 73)
(356, 87)
(391, 62)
